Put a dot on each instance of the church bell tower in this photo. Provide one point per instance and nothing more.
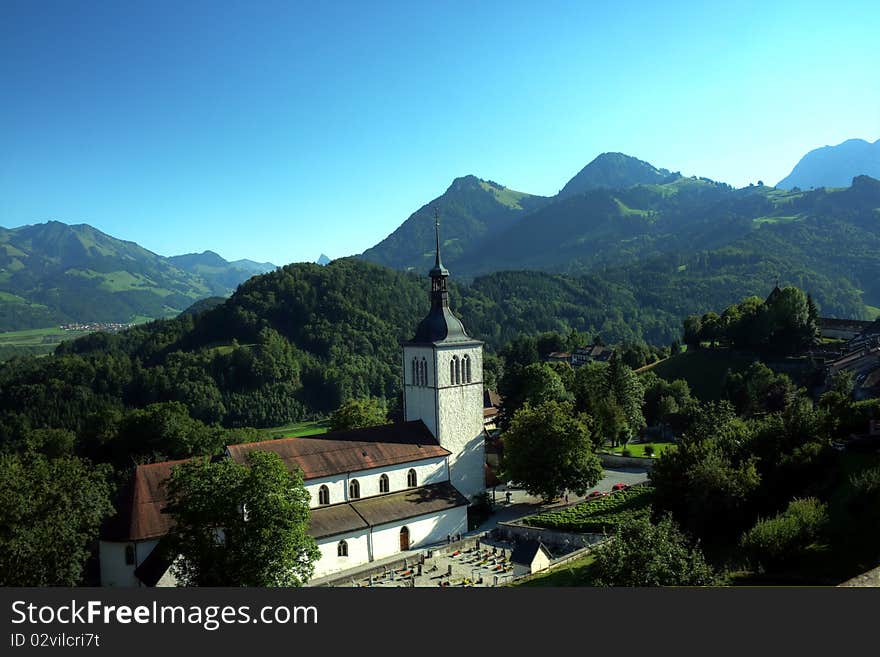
(443, 384)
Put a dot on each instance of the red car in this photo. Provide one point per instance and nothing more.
(595, 494)
(616, 487)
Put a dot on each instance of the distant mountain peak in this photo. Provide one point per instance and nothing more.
(613, 170)
(835, 166)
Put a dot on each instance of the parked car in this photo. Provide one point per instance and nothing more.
(595, 494)
(617, 487)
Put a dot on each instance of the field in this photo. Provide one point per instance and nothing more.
(600, 515)
(703, 369)
(34, 342)
(296, 429)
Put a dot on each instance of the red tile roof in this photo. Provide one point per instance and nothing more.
(139, 508)
(349, 451)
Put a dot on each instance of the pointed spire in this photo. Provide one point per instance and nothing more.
(437, 263)
(439, 269)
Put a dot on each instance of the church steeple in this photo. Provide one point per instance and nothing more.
(440, 325)
(439, 274)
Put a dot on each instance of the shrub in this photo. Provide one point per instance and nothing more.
(771, 542)
(626, 452)
(649, 450)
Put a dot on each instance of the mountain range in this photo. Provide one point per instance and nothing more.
(55, 273)
(671, 243)
(634, 224)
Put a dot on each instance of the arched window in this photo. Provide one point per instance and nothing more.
(415, 377)
(323, 495)
(466, 367)
(424, 372)
(383, 484)
(411, 479)
(457, 370)
(452, 371)
(342, 549)
(354, 489)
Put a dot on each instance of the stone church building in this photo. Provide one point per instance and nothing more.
(375, 492)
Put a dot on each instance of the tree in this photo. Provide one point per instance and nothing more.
(548, 450)
(693, 327)
(533, 384)
(644, 554)
(774, 541)
(358, 414)
(240, 525)
(50, 513)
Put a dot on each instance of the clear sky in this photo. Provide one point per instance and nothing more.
(279, 130)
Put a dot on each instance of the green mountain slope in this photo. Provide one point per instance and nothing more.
(54, 273)
(614, 171)
(471, 210)
(222, 276)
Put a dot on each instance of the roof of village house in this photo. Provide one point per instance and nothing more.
(525, 552)
(349, 451)
(139, 506)
(384, 509)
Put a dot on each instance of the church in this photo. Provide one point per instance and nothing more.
(375, 492)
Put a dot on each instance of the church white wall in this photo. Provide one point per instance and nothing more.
(461, 420)
(337, 485)
(114, 570)
(428, 471)
(420, 402)
(330, 561)
(423, 531)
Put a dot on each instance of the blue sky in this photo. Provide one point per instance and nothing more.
(280, 130)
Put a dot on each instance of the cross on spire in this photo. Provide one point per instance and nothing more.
(437, 263)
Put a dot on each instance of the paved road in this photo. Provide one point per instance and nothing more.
(522, 504)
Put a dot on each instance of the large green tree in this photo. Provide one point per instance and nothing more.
(548, 450)
(359, 413)
(644, 554)
(240, 525)
(50, 513)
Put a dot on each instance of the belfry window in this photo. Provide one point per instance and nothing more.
(424, 369)
(323, 496)
(415, 377)
(466, 366)
(354, 489)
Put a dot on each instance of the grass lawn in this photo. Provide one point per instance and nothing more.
(296, 429)
(703, 369)
(638, 449)
(573, 573)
